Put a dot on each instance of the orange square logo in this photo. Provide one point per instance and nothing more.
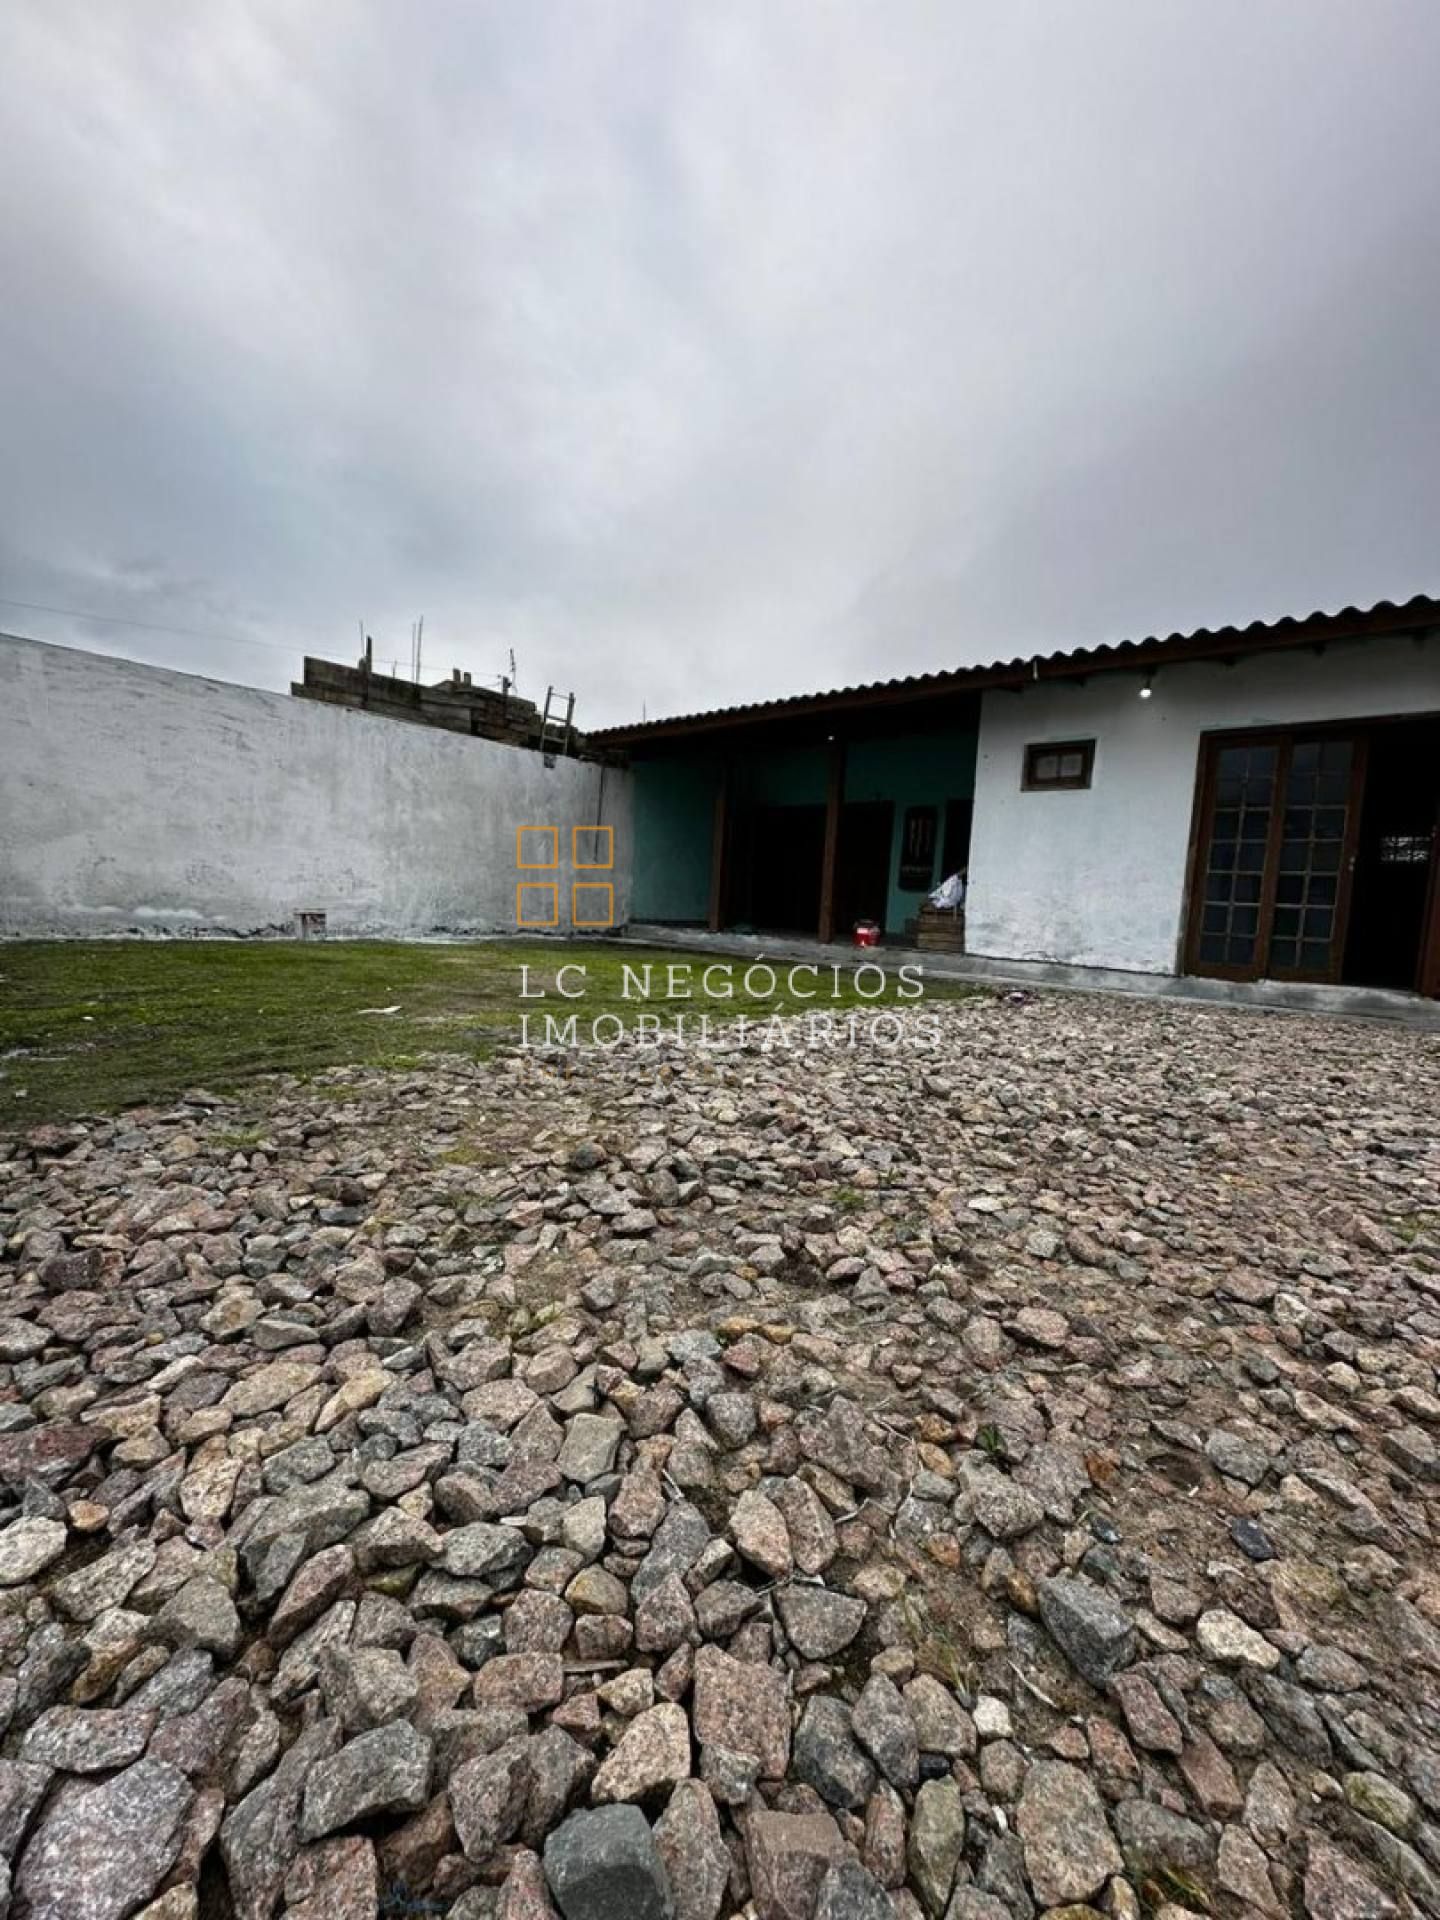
(548, 837)
(537, 903)
(592, 911)
(599, 838)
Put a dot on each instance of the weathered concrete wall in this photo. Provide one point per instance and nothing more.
(137, 800)
(1096, 878)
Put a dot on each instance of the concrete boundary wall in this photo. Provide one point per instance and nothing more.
(137, 800)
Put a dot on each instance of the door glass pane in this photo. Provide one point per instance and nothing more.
(1235, 856)
(1317, 791)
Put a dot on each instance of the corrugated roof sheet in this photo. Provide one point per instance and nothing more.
(1385, 616)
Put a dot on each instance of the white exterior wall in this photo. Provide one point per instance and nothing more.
(1096, 877)
(137, 800)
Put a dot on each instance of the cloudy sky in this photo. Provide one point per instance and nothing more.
(701, 352)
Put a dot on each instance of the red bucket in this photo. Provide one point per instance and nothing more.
(867, 934)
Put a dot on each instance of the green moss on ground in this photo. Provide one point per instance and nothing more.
(93, 1026)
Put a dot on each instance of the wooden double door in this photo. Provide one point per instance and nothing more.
(1283, 819)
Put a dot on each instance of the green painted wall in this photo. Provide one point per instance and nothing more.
(673, 823)
(674, 802)
(912, 770)
(784, 777)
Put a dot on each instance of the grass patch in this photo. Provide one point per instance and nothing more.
(94, 1026)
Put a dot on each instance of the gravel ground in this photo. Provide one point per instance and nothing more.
(956, 1481)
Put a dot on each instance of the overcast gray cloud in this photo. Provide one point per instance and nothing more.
(700, 353)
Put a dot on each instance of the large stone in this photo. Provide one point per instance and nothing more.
(1095, 1635)
(387, 1771)
(812, 1531)
(759, 1531)
(47, 1453)
(828, 1757)
(1070, 1851)
(884, 1838)
(101, 1852)
(851, 1892)
(485, 1551)
(336, 1879)
(788, 1855)
(941, 1724)
(314, 1587)
(1336, 1888)
(529, 1681)
(367, 1687)
(681, 1537)
(83, 1740)
(1225, 1637)
(22, 1788)
(560, 1771)
(744, 1708)
(589, 1448)
(92, 1589)
(261, 1836)
(268, 1387)
(201, 1614)
(75, 1272)
(320, 1513)
(1241, 1871)
(883, 1726)
(603, 1864)
(1152, 1837)
(394, 1538)
(1002, 1506)
(488, 1796)
(27, 1547)
(818, 1622)
(524, 1895)
(665, 1618)
(594, 1590)
(1151, 1723)
(1239, 1458)
(654, 1753)
(1370, 1794)
(689, 1842)
(937, 1838)
(837, 1442)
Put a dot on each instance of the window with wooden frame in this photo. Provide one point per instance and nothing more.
(1052, 765)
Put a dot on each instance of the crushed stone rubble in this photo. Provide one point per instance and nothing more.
(952, 1483)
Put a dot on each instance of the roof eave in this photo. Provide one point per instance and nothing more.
(1224, 643)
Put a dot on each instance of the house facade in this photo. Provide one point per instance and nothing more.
(1258, 803)
(1253, 803)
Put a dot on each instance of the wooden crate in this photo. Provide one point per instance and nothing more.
(940, 929)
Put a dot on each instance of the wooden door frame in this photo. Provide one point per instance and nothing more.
(1427, 976)
(1284, 740)
(1362, 730)
(1210, 748)
(1427, 972)
(1345, 876)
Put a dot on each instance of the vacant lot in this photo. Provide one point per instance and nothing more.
(945, 1483)
(86, 1027)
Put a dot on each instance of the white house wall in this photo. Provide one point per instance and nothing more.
(137, 800)
(1096, 877)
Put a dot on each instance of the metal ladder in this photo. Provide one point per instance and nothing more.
(556, 735)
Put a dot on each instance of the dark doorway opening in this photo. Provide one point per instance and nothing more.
(786, 851)
(1395, 856)
(958, 816)
(862, 864)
